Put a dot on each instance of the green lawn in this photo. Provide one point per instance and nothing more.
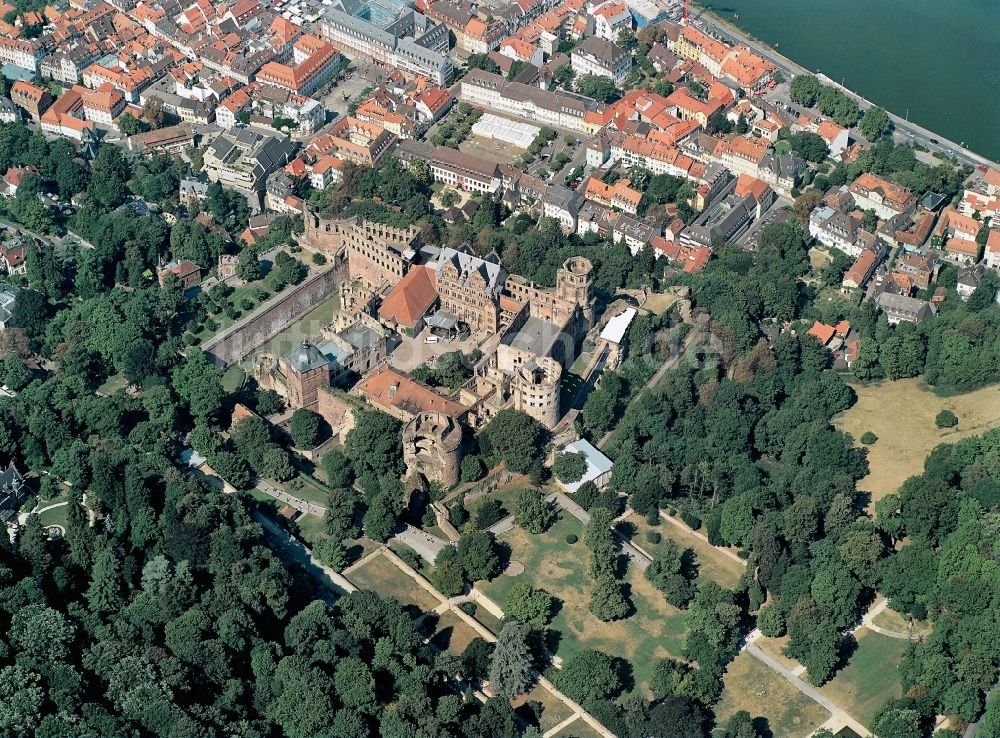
(310, 489)
(554, 710)
(112, 384)
(653, 632)
(309, 326)
(56, 516)
(485, 617)
(384, 577)
(871, 676)
(452, 634)
(506, 494)
(312, 529)
(712, 563)
(750, 685)
(232, 380)
(579, 728)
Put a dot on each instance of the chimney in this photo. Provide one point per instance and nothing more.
(392, 389)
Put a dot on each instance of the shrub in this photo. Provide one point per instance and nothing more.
(691, 520)
(946, 419)
(572, 538)
(652, 536)
(868, 438)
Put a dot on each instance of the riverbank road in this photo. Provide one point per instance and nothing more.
(904, 128)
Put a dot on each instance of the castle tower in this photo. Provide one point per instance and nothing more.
(306, 369)
(432, 446)
(535, 390)
(574, 284)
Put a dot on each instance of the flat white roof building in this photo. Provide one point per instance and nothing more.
(615, 329)
(509, 131)
(598, 466)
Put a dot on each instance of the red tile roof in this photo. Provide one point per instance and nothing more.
(411, 297)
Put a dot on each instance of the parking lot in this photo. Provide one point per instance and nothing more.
(779, 212)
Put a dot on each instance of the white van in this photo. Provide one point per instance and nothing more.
(431, 339)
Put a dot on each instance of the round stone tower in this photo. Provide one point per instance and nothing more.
(432, 446)
(535, 389)
(574, 283)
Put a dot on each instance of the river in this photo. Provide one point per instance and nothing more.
(937, 61)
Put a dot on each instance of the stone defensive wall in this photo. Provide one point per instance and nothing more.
(241, 338)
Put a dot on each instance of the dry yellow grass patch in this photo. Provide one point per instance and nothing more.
(902, 415)
(752, 686)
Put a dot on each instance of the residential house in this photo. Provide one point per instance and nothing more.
(968, 280)
(886, 198)
(610, 19)
(993, 250)
(13, 492)
(33, 99)
(185, 270)
(900, 308)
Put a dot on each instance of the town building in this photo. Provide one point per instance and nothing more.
(601, 57)
(31, 98)
(886, 198)
(244, 160)
(904, 309)
(413, 43)
(525, 102)
(454, 168)
(313, 62)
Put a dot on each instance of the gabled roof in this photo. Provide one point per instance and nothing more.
(391, 388)
(411, 297)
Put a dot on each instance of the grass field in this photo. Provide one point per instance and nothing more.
(752, 686)
(233, 378)
(452, 634)
(307, 327)
(578, 729)
(382, 576)
(659, 302)
(312, 529)
(892, 620)
(712, 563)
(902, 414)
(554, 710)
(55, 516)
(871, 676)
(653, 632)
(506, 494)
(485, 617)
(776, 647)
(310, 490)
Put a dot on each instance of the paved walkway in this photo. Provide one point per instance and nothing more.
(290, 548)
(282, 496)
(23, 517)
(502, 526)
(638, 557)
(422, 542)
(866, 622)
(658, 375)
(836, 712)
